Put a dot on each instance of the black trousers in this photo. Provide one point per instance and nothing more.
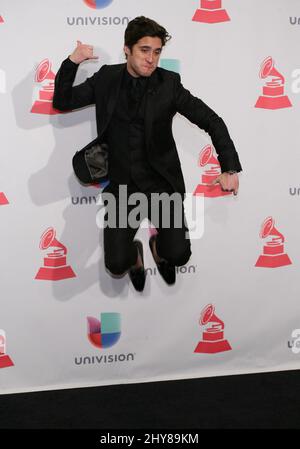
(172, 244)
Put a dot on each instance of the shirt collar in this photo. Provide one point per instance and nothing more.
(128, 77)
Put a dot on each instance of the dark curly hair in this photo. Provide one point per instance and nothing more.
(141, 27)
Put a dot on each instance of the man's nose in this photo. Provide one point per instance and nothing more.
(150, 57)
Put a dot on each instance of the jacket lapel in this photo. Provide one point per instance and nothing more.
(114, 89)
(116, 81)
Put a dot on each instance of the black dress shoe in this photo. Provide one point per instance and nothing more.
(138, 275)
(166, 270)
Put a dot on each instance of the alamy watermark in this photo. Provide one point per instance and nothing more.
(163, 210)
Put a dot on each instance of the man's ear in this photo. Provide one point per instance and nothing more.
(127, 50)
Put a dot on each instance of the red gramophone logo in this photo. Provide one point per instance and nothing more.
(5, 360)
(55, 263)
(3, 199)
(1, 19)
(213, 335)
(212, 171)
(211, 11)
(44, 76)
(273, 251)
(273, 91)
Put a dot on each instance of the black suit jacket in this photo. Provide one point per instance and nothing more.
(165, 97)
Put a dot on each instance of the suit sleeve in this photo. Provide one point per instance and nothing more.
(197, 112)
(67, 97)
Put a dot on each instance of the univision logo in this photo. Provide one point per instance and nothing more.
(294, 191)
(295, 20)
(103, 334)
(294, 344)
(76, 200)
(185, 269)
(98, 20)
(98, 4)
(103, 359)
(90, 199)
(170, 64)
(106, 332)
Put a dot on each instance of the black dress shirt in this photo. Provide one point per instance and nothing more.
(125, 137)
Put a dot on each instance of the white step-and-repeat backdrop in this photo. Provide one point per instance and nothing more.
(235, 308)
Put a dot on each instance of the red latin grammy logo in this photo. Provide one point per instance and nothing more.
(1, 20)
(213, 336)
(273, 91)
(3, 199)
(273, 251)
(55, 264)
(5, 360)
(44, 75)
(211, 11)
(212, 171)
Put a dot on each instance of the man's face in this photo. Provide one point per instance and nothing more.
(144, 56)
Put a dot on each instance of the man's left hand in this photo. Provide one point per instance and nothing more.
(228, 182)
